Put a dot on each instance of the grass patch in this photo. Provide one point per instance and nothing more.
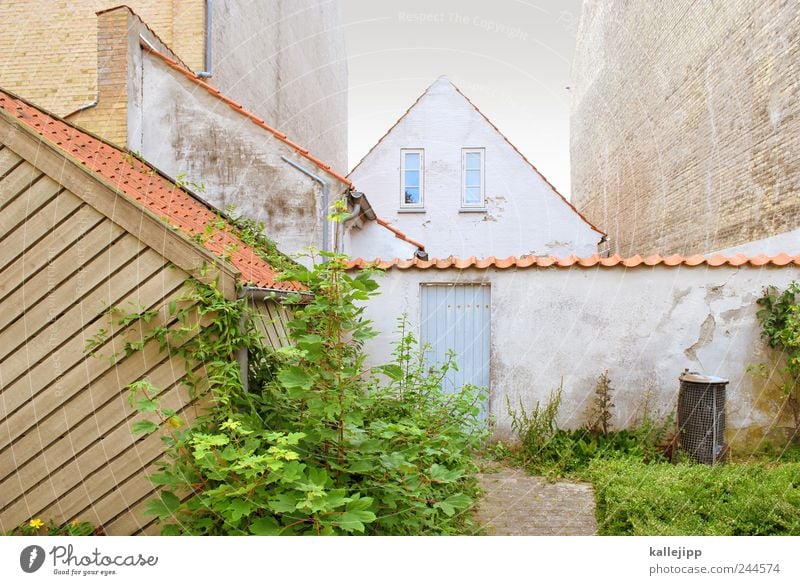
(637, 499)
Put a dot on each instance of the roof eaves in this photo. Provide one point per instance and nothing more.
(398, 234)
(715, 261)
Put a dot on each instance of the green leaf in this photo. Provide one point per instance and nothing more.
(295, 378)
(441, 474)
(144, 427)
(239, 508)
(353, 521)
(283, 503)
(164, 506)
(144, 405)
(393, 371)
(266, 526)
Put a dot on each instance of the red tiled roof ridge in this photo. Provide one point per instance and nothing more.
(399, 234)
(496, 129)
(253, 118)
(781, 259)
(144, 184)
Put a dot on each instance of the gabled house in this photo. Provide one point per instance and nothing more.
(446, 175)
(87, 226)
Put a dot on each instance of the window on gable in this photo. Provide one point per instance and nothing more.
(472, 179)
(411, 172)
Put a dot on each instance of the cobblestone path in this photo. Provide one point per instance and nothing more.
(517, 504)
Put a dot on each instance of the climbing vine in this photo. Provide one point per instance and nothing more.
(779, 316)
(318, 443)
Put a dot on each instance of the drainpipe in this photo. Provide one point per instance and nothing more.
(324, 199)
(209, 41)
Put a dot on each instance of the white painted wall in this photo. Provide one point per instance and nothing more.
(383, 243)
(644, 324)
(187, 131)
(524, 215)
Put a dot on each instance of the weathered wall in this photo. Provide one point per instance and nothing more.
(644, 324)
(190, 133)
(524, 215)
(685, 122)
(284, 60)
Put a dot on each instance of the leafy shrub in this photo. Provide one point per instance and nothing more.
(319, 444)
(688, 499)
(780, 328)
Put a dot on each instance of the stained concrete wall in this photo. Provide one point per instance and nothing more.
(189, 133)
(523, 216)
(644, 324)
(286, 61)
(685, 122)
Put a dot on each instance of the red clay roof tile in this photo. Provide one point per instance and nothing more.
(399, 234)
(511, 262)
(142, 183)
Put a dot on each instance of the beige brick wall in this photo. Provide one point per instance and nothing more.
(49, 49)
(685, 125)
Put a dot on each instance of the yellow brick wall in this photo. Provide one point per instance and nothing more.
(49, 49)
(685, 125)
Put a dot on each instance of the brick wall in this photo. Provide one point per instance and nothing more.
(49, 49)
(685, 125)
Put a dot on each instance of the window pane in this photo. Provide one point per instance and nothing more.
(412, 195)
(473, 178)
(412, 179)
(412, 161)
(473, 160)
(473, 195)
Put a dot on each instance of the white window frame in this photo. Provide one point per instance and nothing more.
(482, 203)
(421, 153)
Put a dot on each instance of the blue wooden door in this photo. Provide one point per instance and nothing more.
(457, 317)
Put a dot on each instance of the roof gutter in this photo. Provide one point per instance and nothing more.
(209, 41)
(325, 236)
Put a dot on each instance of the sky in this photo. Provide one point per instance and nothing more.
(512, 58)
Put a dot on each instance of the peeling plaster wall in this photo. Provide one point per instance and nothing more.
(382, 242)
(644, 324)
(523, 213)
(191, 134)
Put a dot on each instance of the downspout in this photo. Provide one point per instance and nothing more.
(324, 199)
(209, 41)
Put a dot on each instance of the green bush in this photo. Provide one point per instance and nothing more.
(688, 499)
(320, 443)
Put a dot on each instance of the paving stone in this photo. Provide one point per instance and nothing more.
(517, 504)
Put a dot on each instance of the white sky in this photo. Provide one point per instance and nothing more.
(512, 58)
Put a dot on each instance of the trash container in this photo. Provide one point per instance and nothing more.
(701, 417)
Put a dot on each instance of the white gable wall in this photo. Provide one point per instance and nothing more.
(524, 215)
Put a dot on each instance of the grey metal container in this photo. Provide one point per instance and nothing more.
(701, 417)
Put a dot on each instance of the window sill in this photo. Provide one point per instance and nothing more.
(410, 210)
(472, 210)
